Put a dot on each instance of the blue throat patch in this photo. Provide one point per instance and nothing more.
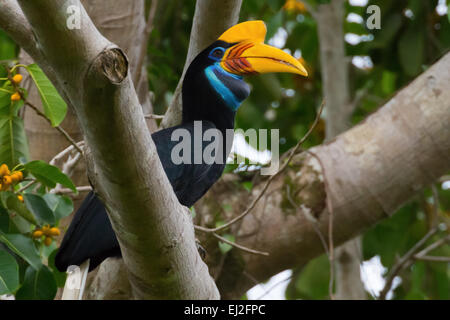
(227, 95)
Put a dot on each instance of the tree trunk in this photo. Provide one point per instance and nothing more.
(116, 22)
(154, 231)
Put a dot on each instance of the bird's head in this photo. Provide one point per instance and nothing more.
(215, 77)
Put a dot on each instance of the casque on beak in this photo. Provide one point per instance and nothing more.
(249, 54)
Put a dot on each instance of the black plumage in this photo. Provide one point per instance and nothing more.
(90, 235)
(213, 90)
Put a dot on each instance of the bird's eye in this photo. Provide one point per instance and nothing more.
(217, 53)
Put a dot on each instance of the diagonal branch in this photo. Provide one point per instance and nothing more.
(155, 232)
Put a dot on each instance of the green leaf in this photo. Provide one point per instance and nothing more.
(7, 47)
(23, 247)
(49, 175)
(448, 12)
(55, 108)
(62, 206)
(4, 220)
(387, 239)
(388, 82)
(313, 280)
(440, 283)
(193, 213)
(9, 273)
(411, 48)
(274, 23)
(38, 206)
(60, 277)
(5, 98)
(248, 185)
(13, 141)
(38, 285)
(225, 247)
(391, 25)
(15, 205)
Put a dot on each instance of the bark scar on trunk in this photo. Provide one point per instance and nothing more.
(306, 188)
(109, 67)
(114, 64)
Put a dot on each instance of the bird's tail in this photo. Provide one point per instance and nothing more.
(90, 236)
(75, 282)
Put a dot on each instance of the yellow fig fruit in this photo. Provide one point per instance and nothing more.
(7, 180)
(45, 230)
(15, 97)
(48, 241)
(17, 78)
(17, 176)
(4, 171)
(54, 232)
(37, 234)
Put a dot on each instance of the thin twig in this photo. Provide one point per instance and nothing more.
(231, 243)
(27, 186)
(400, 265)
(412, 254)
(70, 191)
(266, 186)
(32, 106)
(60, 129)
(433, 258)
(435, 218)
(274, 286)
(154, 116)
(360, 94)
(433, 246)
(70, 164)
(65, 152)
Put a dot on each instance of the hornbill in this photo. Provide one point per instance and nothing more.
(213, 89)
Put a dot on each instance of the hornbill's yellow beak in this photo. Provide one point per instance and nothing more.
(249, 54)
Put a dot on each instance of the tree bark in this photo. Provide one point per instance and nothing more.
(335, 75)
(370, 171)
(116, 22)
(154, 231)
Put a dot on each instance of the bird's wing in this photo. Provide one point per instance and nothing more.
(90, 235)
(190, 181)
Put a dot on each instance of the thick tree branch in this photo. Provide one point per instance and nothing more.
(154, 231)
(372, 170)
(14, 23)
(212, 17)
